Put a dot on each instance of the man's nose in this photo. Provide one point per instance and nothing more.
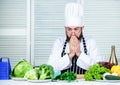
(73, 32)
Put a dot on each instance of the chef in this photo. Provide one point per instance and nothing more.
(74, 52)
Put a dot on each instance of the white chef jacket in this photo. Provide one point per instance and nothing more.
(84, 61)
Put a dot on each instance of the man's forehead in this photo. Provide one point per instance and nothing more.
(73, 27)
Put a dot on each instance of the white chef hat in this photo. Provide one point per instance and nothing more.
(74, 14)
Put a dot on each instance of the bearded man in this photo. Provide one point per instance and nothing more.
(74, 52)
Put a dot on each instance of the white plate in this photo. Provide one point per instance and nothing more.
(19, 79)
(40, 81)
(109, 81)
(64, 81)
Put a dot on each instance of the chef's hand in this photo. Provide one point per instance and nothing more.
(72, 47)
(77, 46)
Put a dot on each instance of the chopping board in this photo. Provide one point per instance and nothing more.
(80, 76)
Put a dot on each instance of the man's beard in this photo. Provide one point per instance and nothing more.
(79, 38)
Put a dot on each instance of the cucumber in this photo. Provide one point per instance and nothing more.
(112, 77)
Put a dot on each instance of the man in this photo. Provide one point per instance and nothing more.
(74, 52)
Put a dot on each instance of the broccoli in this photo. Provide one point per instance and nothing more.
(46, 72)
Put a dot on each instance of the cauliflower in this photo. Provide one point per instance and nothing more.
(32, 74)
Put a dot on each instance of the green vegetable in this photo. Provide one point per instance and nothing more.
(32, 74)
(68, 76)
(95, 72)
(21, 68)
(112, 77)
(46, 72)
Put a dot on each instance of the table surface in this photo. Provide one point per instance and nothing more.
(77, 82)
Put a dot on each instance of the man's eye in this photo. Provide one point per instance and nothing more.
(69, 29)
(76, 28)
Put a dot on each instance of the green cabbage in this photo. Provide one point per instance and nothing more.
(21, 68)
